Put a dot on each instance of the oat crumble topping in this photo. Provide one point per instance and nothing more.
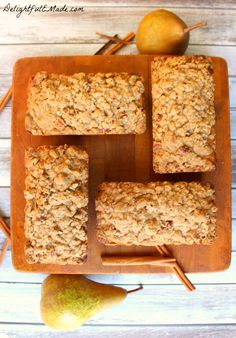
(155, 213)
(183, 114)
(56, 212)
(80, 104)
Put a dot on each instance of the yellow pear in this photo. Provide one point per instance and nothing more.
(163, 32)
(70, 300)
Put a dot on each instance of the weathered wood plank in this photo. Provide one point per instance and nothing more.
(153, 305)
(5, 162)
(120, 331)
(10, 53)
(141, 3)
(233, 124)
(5, 123)
(157, 305)
(5, 202)
(232, 91)
(81, 27)
(5, 83)
(8, 274)
(2, 236)
(233, 160)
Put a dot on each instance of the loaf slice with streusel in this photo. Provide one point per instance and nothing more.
(85, 104)
(155, 213)
(183, 114)
(56, 195)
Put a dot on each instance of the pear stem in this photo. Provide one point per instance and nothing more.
(199, 24)
(137, 289)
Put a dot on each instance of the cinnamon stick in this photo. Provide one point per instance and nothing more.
(106, 46)
(163, 250)
(5, 98)
(135, 260)
(181, 275)
(114, 38)
(159, 249)
(120, 44)
(5, 229)
(4, 250)
(3, 225)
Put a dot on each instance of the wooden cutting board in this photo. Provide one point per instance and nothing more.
(119, 158)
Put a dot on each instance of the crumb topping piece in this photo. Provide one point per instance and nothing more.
(80, 104)
(56, 210)
(155, 213)
(183, 114)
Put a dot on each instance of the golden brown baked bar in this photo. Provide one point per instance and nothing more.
(155, 213)
(80, 104)
(183, 114)
(56, 196)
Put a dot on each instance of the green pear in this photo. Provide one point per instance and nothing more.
(163, 32)
(70, 300)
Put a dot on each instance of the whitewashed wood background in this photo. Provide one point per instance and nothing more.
(163, 308)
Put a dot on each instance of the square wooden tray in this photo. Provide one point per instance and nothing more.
(119, 158)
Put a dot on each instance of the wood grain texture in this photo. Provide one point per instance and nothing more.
(121, 331)
(138, 167)
(2, 235)
(140, 3)
(215, 42)
(5, 202)
(5, 159)
(5, 126)
(233, 128)
(4, 163)
(9, 275)
(232, 87)
(161, 309)
(10, 53)
(81, 27)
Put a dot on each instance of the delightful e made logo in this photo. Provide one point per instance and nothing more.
(19, 10)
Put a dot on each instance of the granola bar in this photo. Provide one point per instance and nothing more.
(81, 104)
(156, 213)
(56, 197)
(183, 114)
